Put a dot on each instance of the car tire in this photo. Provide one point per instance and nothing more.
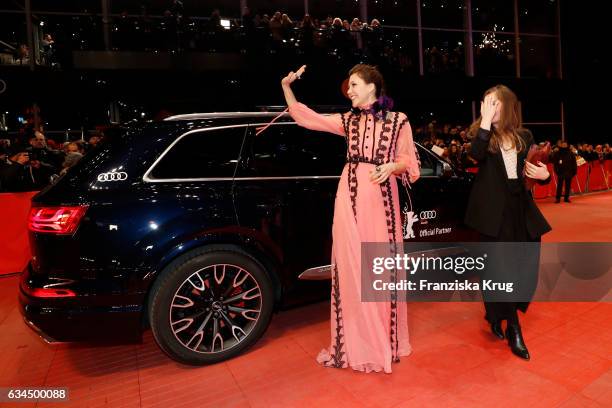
(210, 305)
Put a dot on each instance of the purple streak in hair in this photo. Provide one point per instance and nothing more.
(379, 108)
(383, 103)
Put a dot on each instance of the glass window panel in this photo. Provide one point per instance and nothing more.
(13, 32)
(293, 8)
(345, 9)
(444, 52)
(290, 150)
(393, 12)
(199, 8)
(118, 7)
(393, 49)
(539, 57)
(202, 154)
(72, 114)
(428, 162)
(227, 8)
(76, 32)
(538, 16)
(541, 110)
(443, 13)
(12, 5)
(489, 15)
(67, 6)
(438, 119)
(494, 55)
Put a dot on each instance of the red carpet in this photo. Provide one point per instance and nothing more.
(456, 361)
(587, 218)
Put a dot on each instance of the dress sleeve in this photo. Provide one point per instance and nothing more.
(306, 117)
(406, 153)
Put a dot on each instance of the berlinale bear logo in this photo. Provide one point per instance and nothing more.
(410, 219)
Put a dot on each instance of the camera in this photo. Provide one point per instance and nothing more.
(35, 154)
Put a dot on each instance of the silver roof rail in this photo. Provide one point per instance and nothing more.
(227, 115)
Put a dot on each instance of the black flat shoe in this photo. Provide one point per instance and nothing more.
(567, 200)
(496, 329)
(516, 342)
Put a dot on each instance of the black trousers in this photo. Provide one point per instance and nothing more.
(563, 180)
(514, 229)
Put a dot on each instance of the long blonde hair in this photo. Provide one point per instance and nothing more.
(510, 120)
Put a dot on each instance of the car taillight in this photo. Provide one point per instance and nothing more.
(51, 293)
(56, 220)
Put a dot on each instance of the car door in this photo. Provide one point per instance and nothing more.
(284, 192)
(439, 199)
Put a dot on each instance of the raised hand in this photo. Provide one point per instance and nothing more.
(489, 107)
(292, 76)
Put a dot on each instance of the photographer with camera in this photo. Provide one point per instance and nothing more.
(40, 151)
(44, 162)
(14, 170)
(27, 168)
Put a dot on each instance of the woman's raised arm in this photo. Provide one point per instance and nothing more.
(303, 115)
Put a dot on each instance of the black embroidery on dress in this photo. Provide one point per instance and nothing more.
(352, 170)
(354, 137)
(392, 235)
(383, 153)
(337, 358)
(384, 137)
(362, 159)
(373, 138)
(394, 134)
(391, 229)
(345, 124)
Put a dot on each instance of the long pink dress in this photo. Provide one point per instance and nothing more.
(366, 336)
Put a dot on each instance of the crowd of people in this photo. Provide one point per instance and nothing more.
(31, 161)
(176, 30)
(452, 143)
(279, 33)
(256, 33)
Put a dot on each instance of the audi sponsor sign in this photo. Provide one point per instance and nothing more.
(428, 215)
(112, 176)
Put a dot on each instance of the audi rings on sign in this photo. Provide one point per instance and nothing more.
(112, 176)
(428, 215)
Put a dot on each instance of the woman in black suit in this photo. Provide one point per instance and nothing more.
(500, 207)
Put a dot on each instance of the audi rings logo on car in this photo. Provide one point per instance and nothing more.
(112, 176)
(428, 215)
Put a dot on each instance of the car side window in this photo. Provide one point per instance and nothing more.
(205, 154)
(428, 163)
(289, 150)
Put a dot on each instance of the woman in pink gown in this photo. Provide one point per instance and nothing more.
(366, 336)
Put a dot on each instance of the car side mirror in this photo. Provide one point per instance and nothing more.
(444, 170)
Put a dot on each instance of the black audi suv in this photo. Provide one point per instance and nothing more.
(200, 230)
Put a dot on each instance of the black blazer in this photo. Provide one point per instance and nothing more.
(487, 199)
